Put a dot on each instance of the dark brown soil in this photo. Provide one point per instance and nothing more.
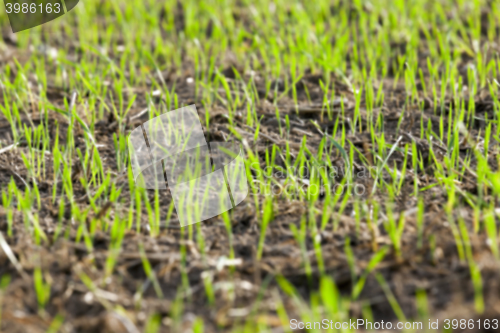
(435, 267)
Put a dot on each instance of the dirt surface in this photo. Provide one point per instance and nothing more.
(246, 286)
